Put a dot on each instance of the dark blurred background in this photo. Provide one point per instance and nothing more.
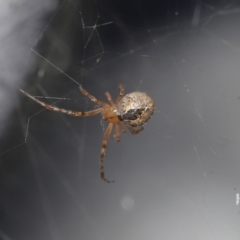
(179, 178)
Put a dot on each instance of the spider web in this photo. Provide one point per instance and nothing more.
(179, 178)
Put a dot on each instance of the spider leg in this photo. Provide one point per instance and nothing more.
(62, 110)
(121, 93)
(109, 98)
(103, 151)
(116, 132)
(135, 131)
(92, 98)
(122, 127)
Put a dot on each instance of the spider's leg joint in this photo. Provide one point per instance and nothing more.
(117, 138)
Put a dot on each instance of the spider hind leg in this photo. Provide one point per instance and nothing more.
(103, 151)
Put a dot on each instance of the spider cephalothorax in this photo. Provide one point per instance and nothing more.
(132, 110)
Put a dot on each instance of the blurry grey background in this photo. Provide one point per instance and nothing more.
(179, 178)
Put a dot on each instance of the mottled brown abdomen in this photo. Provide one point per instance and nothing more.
(135, 108)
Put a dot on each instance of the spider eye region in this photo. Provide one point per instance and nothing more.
(135, 108)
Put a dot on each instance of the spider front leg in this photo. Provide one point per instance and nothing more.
(103, 151)
(62, 110)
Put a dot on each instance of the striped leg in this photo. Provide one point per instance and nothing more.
(103, 151)
(62, 110)
(92, 98)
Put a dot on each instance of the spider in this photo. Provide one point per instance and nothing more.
(131, 110)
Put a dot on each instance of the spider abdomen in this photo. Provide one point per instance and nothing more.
(135, 108)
